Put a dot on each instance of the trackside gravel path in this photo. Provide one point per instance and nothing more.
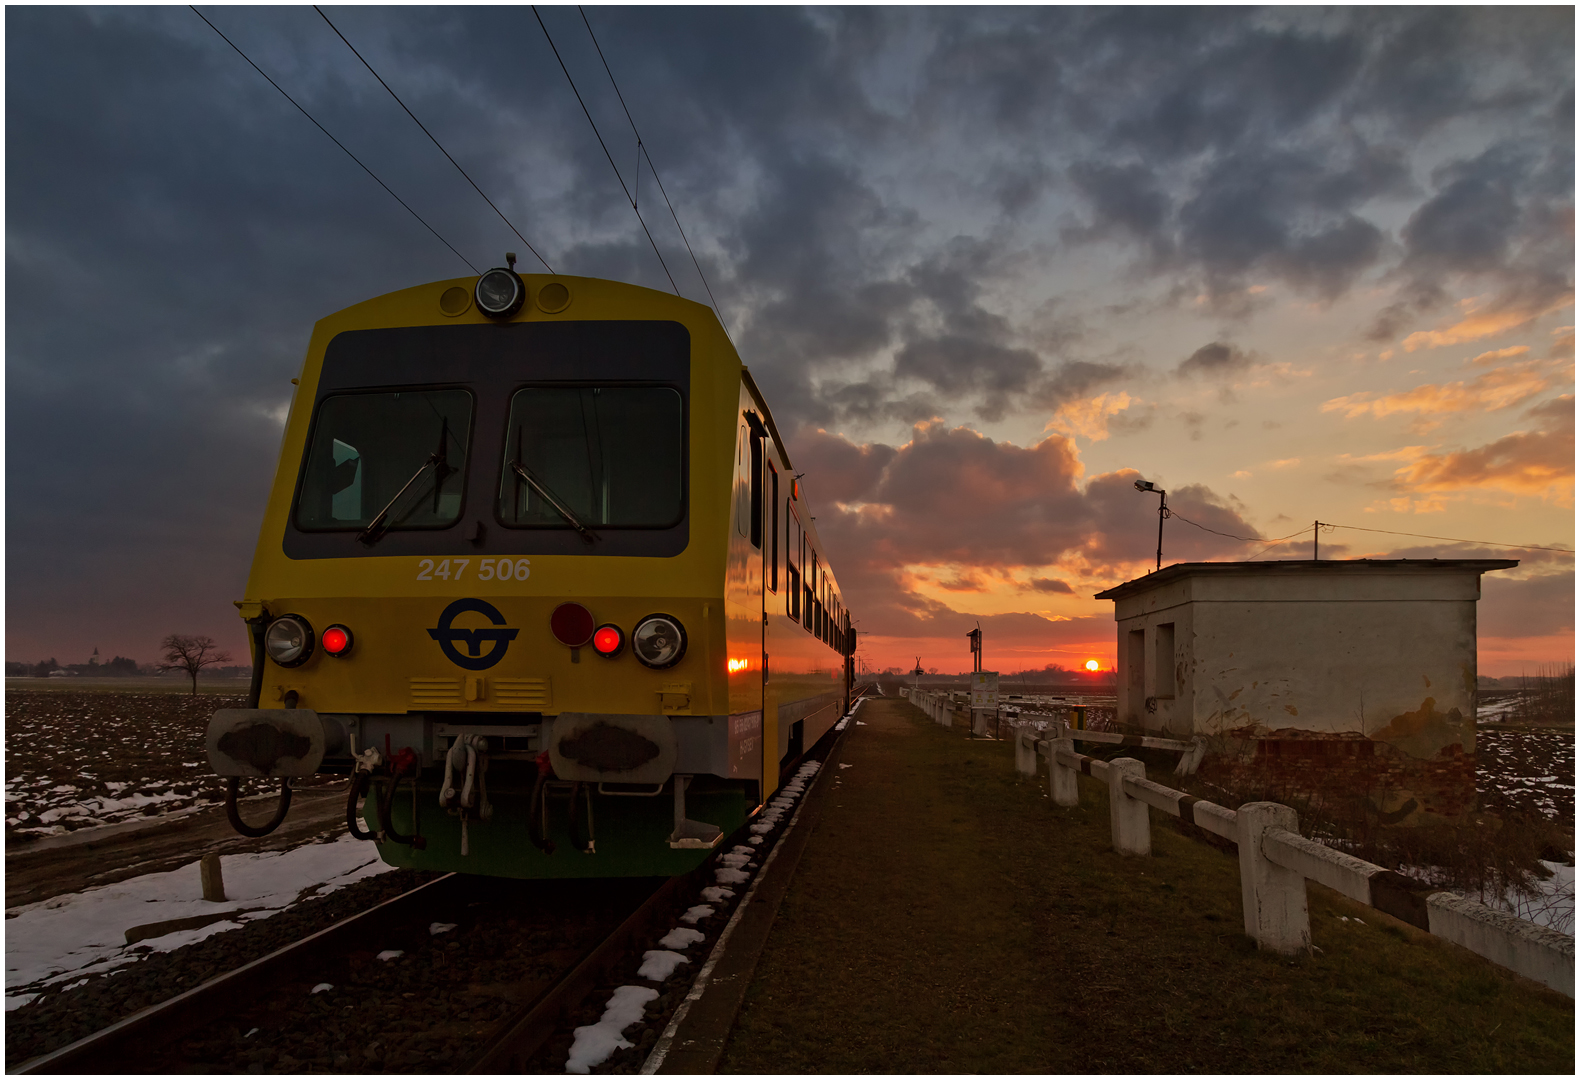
(946, 917)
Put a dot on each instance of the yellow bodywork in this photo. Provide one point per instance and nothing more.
(390, 601)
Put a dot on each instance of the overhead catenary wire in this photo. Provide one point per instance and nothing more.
(642, 151)
(434, 140)
(334, 140)
(606, 152)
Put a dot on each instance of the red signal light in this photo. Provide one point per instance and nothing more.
(608, 640)
(336, 640)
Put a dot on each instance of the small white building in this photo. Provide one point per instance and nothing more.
(1383, 649)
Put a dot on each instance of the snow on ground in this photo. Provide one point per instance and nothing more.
(68, 936)
(595, 1042)
(78, 759)
(1554, 906)
(1529, 770)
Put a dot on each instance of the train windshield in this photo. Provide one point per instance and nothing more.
(612, 455)
(401, 454)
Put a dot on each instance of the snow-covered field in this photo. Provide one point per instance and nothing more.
(65, 938)
(1527, 771)
(79, 759)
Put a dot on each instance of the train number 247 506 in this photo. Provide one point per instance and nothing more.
(487, 569)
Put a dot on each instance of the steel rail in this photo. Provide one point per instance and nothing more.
(511, 1049)
(104, 1051)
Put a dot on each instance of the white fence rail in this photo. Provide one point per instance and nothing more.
(1276, 862)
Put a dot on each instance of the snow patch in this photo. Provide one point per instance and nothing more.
(681, 938)
(659, 964)
(595, 1042)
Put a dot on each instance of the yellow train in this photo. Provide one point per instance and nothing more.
(537, 573)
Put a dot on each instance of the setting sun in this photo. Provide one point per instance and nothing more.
(1092, 665)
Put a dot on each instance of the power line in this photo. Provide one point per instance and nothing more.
(435, 141)
(606, 153)
(332, 139)
(1170, 512)
(643, 151)
(1450, 539)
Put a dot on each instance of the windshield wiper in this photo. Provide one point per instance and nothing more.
(437, 461)
(559, 507)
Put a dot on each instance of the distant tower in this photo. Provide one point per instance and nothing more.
(94, 659)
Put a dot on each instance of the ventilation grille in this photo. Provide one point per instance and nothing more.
(436, 692)
(528, 694)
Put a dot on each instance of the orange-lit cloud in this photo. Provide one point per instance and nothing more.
(1525, 462)
(1088, 417)
(1483, 320)
(1495, 355)
(953, 522)
(1499, 388)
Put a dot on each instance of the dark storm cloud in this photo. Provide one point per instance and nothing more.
(1291, 129)
(951, 496)
(174, 227)
(1215, 359)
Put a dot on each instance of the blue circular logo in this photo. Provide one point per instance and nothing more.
(475, 659)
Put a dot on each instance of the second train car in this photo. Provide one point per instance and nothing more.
(537, 575)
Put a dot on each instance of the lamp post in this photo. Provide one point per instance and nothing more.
(1163, 511)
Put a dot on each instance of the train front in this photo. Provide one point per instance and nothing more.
(489, 584)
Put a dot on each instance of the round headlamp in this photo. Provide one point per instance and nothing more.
(289, 640)
(500, 293)
(659, 641)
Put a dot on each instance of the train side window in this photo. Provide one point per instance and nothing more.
(367, 448)
(741, 503)
(757, 491)
(808, 578)
(773, 528)
(792, 560)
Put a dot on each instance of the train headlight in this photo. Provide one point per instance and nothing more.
(336, 640)
(659, 641)
(608, 640)
(572, 625)
(500, 293)
(289, 640)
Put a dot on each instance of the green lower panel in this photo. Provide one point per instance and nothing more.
(630, 835)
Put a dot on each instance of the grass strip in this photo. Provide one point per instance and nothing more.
(947, 917)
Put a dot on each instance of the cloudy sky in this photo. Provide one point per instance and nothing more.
(990, 266)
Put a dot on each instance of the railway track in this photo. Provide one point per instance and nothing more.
(458, 975)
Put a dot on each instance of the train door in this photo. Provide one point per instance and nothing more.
(752, 728)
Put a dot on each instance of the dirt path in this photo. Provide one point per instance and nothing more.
(76, 861)
(946, 917)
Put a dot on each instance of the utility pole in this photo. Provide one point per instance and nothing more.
(1163, 511)
(1314, 525)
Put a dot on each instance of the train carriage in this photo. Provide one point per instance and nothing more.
(537, 575)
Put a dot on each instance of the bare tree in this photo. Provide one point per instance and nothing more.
(191, 653)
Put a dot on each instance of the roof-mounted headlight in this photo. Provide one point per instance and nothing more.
(501, 292)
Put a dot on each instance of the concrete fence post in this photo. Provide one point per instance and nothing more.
(212, 878)
(1273, 897)
(1025, 750)
(1062, 786)
(1127, 816)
